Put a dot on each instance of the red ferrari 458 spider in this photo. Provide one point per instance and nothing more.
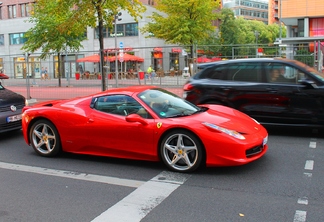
(145, 123)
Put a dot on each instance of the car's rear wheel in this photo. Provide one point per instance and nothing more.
(44, 138)
(181, 151)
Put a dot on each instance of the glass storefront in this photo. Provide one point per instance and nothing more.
(157, 56)
(21, 69)
(174, 61)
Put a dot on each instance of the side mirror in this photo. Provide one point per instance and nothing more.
(308, 83)
(136, 118)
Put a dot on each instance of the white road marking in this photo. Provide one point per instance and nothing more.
(309, 165)
(300, 216)
(140, 202)
(308, 175)
(303, 200)
(72, 175)
(312, 145)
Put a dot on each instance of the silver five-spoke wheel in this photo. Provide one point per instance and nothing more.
(44, 138)
(181, 151)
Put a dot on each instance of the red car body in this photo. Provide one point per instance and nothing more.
(3, 76)
(83, 129)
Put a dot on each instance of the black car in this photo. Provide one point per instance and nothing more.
(11, 105)
(274, 91)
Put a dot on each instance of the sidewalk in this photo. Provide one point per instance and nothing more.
(43, 90)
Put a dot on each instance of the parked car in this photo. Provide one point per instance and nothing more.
(11, 105)
(145, 123)
(273, 91)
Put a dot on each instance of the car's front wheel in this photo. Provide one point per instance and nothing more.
(181, 151)
(44, 138)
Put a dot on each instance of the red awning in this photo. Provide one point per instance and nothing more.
(157, 49)
(176, 50)
(126, 57)
(126, 49)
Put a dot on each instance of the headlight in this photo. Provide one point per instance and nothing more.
(232, 133)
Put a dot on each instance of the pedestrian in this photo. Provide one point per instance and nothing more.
(80, 69)
(150, 72)
(46, 73)
(42, 73)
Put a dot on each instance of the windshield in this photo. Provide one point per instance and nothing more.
(316, 73)
(166, 104)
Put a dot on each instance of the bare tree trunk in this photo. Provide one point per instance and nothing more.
(101, 45)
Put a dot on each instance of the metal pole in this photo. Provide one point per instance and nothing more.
(66, 63)
(280, 28)
(27, 76)
(116, 59)
(256, 33)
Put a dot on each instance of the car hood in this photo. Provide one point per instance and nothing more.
(8, 97)
(230, 118)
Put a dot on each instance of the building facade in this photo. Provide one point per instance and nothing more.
(249, 9)
(13, 25)
(302, 18)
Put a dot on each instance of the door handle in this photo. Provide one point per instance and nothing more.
(90, 120)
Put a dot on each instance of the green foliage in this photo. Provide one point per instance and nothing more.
(183, 22)
(49, 33)
(304, 56)
(61, 24)
(241, 32)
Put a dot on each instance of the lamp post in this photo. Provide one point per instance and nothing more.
(256, 33)
(116, 59)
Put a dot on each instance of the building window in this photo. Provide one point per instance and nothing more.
(129, 29)
(120, 31)
(24, 8)
(12, 11)
(0, 12)
(1, 39)
(17, 38)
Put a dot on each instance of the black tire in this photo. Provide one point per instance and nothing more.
(44, 138)
(181, 151)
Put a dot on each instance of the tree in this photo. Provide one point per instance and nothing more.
(48, 34)
(72, 17)
(246, 34)
(183, 22)
(228, 31)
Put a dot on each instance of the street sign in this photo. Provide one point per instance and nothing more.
(121, 45)
(121, 55)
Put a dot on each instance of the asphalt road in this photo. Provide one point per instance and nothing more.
(287, 184)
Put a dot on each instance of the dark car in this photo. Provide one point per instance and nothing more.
(274, 91)
(11, 105)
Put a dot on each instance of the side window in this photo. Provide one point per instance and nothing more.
(246, 72)
(282, 73)
(217, 72)
(120, 105)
